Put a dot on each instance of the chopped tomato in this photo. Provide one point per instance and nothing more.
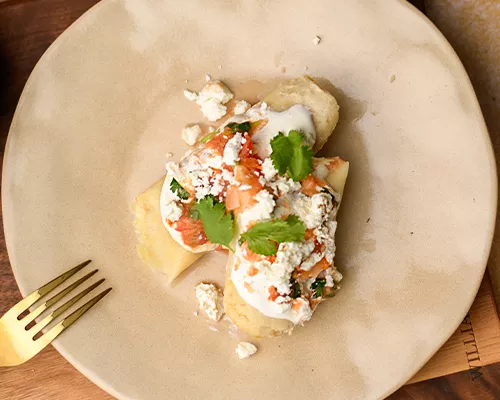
(251, 163)
(217, 143)
(237, 199)
(254, 257)
(309, 234)
(321, 265)
(252, 271)
(232, 198)
(310, 185)
(191, 230)
(273, 293)
(296, 305)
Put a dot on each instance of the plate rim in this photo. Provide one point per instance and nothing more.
(465, 79)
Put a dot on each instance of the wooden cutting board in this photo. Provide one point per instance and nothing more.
(476, 343)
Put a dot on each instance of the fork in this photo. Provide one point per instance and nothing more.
(19, 341)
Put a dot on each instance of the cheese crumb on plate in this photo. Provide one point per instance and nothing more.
(245, 350)
(210, 299)
(211, 99)
(190, 134)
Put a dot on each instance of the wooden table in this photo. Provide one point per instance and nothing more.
(27, 28)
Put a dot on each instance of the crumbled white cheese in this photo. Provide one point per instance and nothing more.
(316, 40)
(320, 170)
(241, 107)
(325, 234)
(329, 280)
(200, 179)
(268, 169)
(260, 211)
(232, 149)
(191, 134)
(191, 96)
(210, 299)
(228, 176)
(313, 210)
(207, 77)
(304, 313)
(245, 187)
(336, 275)
(284, 185)
(213, 110)
(278, 273)
(211, 99)
(217, 183)
(173, 169)
(172, 211)
(245, 350)
(311, 261)
(169, 154)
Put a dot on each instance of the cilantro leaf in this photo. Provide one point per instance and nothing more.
(177, 189)
(295, 286)
(318, 287)
(194, 214)
(282, 153)
(288, 153)
(217, 223)
(235, 127)
(263, 238)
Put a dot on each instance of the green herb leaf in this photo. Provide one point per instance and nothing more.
(177, 189)
(288, 153)
(295, 286)
(263, 238)
(243, 127)
(217, 223)
(194, 214)
(282, 153)
(318, 287)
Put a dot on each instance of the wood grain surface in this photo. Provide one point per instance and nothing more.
(27, 28)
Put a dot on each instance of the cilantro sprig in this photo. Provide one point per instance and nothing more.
(318, 287)
(177, 189)
(236, 127)
(289, 154)
(217, 223)
(263, 238)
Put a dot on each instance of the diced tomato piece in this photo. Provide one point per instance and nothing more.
(310, 185)
(232, 198)
(273, 293)
(252, 271)
(321, 265)
(309, 234)
(191, 230)
(217, 143)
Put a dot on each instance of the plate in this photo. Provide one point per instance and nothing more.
(105, 104)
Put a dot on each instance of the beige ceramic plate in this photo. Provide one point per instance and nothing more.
(105, 105)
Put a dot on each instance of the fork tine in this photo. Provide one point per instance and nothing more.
(53, 300)
(28, 301)
(45, 339)
(54, 314)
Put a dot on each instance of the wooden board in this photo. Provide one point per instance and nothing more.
(476, 344)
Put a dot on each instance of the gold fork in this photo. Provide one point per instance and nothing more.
(18, 341)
